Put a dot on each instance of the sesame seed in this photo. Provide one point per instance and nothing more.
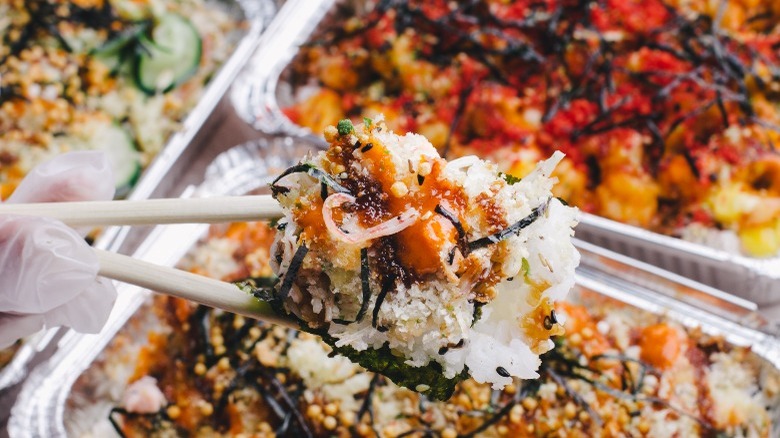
(422, 387)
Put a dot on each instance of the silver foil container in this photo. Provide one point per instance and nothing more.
(75, 387)
(261, 92)
(40, 407)
(157, 176)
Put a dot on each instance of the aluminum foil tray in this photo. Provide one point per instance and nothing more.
(39, 409)
(76, 386)
(262, 90)
(257, 14)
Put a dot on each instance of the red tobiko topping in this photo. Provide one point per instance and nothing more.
(701, 216)
(651, 60)
(631, 16)
(575, 116)
(382, 32)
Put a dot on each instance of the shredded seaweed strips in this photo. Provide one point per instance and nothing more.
(402, 262)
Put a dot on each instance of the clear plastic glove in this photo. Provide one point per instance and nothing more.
(48, 273)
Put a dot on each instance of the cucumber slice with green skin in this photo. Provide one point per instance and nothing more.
(170, 58)
(114, 52)
(124, 157)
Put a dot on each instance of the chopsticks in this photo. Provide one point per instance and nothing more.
(182, 284)
(169, 281)
(153, 211)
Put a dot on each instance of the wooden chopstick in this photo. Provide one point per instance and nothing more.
(182, 284)
(153, 211)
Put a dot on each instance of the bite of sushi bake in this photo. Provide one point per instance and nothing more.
(386, 245)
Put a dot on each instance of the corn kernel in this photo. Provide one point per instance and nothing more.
(530, 403)
(516, 414)
(200, 369)
(206, 409)
(331, 409)
(449, 433)
(329, 423)
(587, 333)
(347, 418)
(331, 133)
(223, 364)
(173, 412)
(314, 411)
(570, 411)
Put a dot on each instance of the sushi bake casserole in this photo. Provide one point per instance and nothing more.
(178, 368)
(112, 75)
(666, 110)
(606, 367)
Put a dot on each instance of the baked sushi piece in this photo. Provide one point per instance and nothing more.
(388, 251)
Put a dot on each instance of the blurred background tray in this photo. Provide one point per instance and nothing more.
(260, 94)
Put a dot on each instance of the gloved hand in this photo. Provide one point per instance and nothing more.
(48, 273)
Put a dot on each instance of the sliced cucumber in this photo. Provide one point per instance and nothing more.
(115, 51)
(122, 153)
(170, 58)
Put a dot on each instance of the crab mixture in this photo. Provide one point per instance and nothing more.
(618, 371)
(667, 111)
